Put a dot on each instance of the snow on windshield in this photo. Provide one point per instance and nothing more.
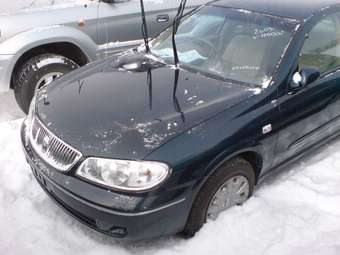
(233, 44)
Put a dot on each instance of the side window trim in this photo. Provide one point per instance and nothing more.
(330, 72)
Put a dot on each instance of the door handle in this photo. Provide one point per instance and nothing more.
(163, 18)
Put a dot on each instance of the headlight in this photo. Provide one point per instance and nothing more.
(124, 175)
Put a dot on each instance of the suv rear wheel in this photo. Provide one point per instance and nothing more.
(229, 186)
(37, 72)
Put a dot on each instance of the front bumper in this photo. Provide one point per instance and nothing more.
(6, 68)
(111, 213)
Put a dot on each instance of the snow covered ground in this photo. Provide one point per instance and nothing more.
(8, 107)
(294, 212)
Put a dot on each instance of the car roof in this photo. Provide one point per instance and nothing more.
(296, 9)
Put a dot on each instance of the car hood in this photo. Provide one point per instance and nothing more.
(127, 107)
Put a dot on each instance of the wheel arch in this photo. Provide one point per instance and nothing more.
(252, 155)
(52, 37)
(66, 49)
(256, 160)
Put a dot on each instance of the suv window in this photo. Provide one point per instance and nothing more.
(322, 47)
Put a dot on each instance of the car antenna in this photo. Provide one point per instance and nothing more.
(149, 81)
(144, 28)
(177, 22)
(176, 103)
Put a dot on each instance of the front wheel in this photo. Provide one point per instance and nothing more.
(36, 73)
(229, 186)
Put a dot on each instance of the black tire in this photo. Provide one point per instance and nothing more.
(27, 76)
(232, 168)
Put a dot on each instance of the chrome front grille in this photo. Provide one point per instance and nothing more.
(51, 149)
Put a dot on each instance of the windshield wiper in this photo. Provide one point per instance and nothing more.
(144, 28)
(177, 22)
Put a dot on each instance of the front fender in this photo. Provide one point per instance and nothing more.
(22, 42)
(13, 48)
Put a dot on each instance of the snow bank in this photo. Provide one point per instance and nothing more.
(295, 212)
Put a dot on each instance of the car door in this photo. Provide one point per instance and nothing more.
(86, 19)
(120, 23)
(312, 113)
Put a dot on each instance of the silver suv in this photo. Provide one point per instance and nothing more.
(39, 45)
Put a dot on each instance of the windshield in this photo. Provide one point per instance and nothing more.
(232, 44)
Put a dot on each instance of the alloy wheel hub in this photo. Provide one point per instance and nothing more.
(48, 78)
(235, 191)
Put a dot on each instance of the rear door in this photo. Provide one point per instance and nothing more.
(120, 23)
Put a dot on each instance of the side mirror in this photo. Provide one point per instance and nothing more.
(305, 77)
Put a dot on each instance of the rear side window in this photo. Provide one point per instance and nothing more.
(322, 47)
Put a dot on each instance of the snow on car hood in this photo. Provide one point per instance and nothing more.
(108, 111)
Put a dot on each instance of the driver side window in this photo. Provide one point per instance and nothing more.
(322, 47)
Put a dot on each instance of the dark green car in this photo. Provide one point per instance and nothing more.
(137, 147)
